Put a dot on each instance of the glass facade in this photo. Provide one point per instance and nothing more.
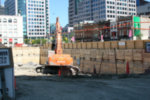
(22, 11)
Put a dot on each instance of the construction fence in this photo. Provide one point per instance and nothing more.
(24, 55)
(113, 57)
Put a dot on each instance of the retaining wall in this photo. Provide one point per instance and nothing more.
(110, 57)
(24, 55)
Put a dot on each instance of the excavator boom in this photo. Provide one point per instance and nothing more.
(58, 38)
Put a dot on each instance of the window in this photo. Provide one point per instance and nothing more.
(10, 20)
(16, 41)
(15, 20)
(4, 20)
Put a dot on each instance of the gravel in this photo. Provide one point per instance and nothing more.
(33, 86)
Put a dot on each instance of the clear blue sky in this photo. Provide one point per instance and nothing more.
(59, 8)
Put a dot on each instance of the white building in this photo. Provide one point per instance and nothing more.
(145, 27)
(96, 10)
(11, 30)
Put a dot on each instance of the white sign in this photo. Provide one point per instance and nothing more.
(4, 57)
(121, 43)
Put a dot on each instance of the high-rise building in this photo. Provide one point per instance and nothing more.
(10, 7)
(144, 9)
(2, 10)
(137, 2)
(142, 2)
(96, 10)
(35, 16)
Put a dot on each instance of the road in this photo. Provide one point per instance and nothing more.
(39, 87)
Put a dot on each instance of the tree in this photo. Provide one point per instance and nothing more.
(27, 41)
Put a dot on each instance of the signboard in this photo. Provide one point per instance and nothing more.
(147, 47)
(137, 26)
(121, 43)
(6, 57)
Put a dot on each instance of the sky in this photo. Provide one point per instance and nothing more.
(59, 8)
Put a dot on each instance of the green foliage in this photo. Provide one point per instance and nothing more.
(27, 41)
(65, 39)
(35, 41)
(71, 35)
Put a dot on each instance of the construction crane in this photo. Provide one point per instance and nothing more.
(59, 63)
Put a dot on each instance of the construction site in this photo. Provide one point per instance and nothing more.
(111, 70)
(108, 71)
(101, 52)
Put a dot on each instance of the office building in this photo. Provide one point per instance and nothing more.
(143, 2)
(2, 10)
(52, 28)
(137, 2)
(96, 10)
(11, 30)
(35, 16)
(144, 9)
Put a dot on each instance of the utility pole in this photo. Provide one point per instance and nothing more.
(149, 32)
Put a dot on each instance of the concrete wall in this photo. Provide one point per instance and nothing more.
(24, 55)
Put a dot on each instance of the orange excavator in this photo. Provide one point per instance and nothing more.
(59, 63)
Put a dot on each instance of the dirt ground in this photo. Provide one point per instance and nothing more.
(33, 86)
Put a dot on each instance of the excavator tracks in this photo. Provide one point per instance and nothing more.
(58, 70)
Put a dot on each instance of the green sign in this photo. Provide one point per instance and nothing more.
(137, 26)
